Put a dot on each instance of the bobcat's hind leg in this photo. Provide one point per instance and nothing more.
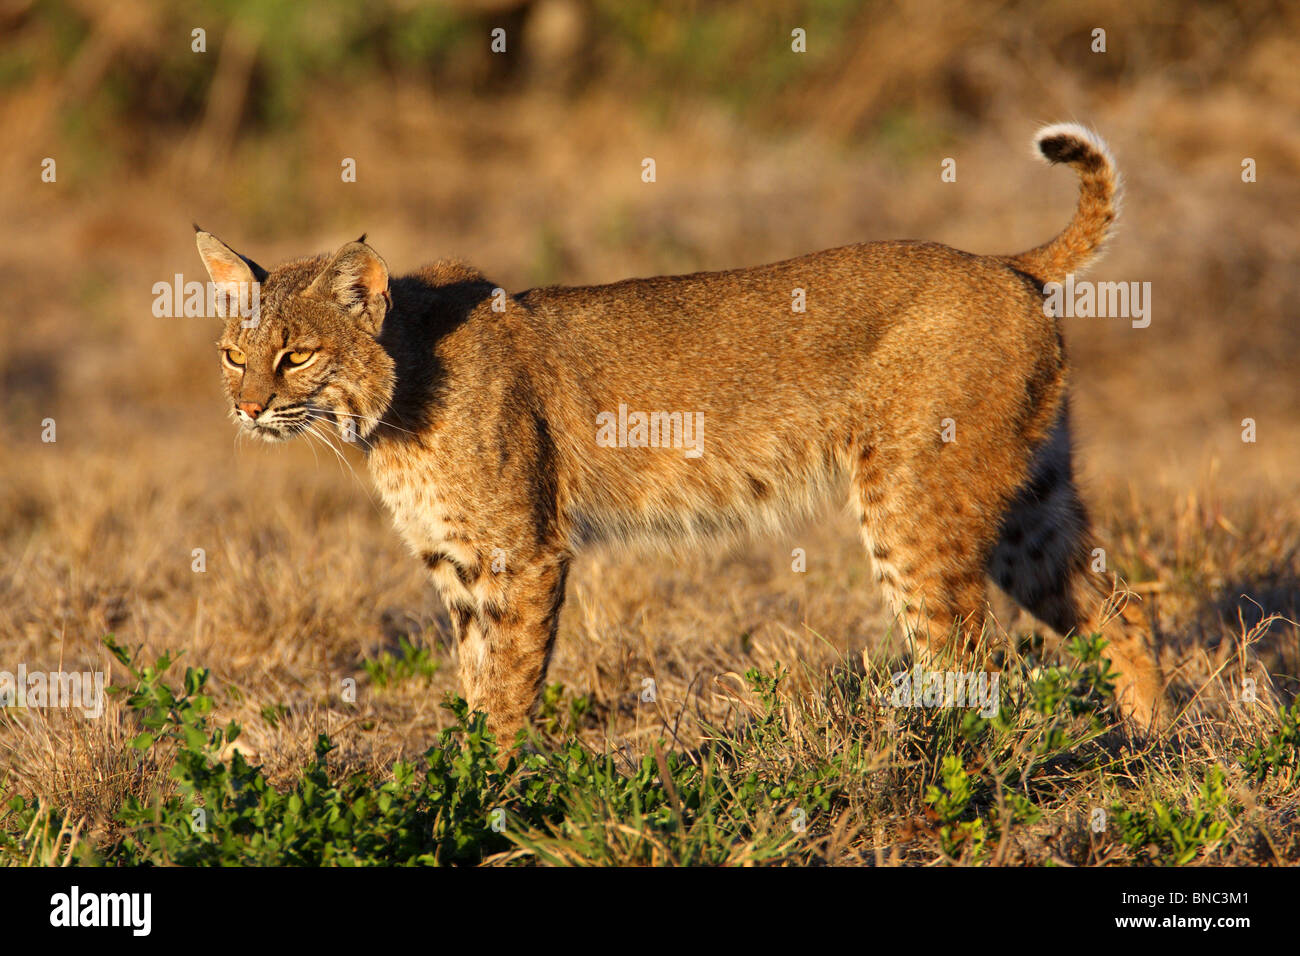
(1043, 559)
(928, 550)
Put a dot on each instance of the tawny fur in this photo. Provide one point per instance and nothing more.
(479, 414)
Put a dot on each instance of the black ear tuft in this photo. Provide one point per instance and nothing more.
(363, 238)
(196, 226)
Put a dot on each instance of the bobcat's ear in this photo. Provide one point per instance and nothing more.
(227, 268)
(357, 280)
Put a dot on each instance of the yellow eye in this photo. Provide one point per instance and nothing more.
(299, 358)
(235, 357)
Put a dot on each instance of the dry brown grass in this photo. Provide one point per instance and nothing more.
(305, 578)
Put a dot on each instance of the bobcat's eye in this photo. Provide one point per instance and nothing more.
(235, 357)
(295, 359)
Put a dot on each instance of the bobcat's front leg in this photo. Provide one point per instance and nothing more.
(505, 621)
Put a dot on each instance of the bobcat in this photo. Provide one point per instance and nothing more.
(498, 432)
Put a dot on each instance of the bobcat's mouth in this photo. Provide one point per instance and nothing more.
(273, 431)
(284, 424)
(274, 426)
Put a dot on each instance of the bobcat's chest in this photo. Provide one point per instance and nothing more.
(429, 513)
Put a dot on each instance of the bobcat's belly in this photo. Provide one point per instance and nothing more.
(747, 503)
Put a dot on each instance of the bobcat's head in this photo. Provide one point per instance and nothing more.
(306, 355)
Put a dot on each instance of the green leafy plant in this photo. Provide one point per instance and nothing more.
(951, 802)
(557, 711)
(411, 662)
(1173, 835)
(224, 812)
(1281, 751)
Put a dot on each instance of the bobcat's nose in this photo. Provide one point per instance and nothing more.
(251, 409)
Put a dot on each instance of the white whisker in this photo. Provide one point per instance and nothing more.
(378, 422)
(312, 430)
(325, 420)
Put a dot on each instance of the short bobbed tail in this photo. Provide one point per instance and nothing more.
(1081, 242)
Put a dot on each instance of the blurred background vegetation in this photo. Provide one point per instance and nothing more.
(117, 77)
